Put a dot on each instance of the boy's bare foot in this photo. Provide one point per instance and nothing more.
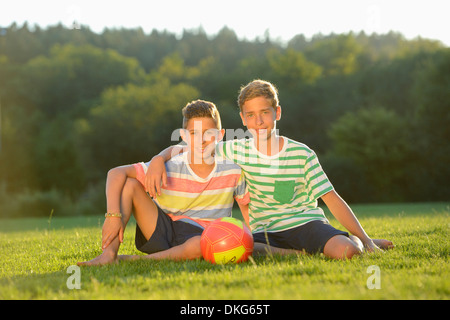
(383, 244)
(128, 257)
(102, 259)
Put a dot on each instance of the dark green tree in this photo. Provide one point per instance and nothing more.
(132, 123)
(73, 74)
(377, 141)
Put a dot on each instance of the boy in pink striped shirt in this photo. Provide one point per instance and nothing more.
(198, 190)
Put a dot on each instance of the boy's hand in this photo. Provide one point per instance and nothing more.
(156, 173)
(112, 227)
(370, 246)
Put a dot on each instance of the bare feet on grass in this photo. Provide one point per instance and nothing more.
(383, 244)
(104, 258)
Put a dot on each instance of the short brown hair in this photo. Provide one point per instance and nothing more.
(200, 109)
(258, 88)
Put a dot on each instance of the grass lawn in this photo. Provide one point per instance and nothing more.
(35, 255)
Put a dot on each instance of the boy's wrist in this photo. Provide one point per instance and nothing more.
(367, 241)
(113, 215)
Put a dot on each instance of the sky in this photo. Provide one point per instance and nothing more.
(282, 19)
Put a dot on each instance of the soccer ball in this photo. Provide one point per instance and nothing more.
(226, 240)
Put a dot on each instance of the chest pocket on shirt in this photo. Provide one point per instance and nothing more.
(284, 191)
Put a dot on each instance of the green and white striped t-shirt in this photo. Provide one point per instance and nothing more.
(283, 188)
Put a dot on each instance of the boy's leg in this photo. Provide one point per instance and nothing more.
(189, 250)
(343, 247)
(264, 249)
(134, 200)
(313, 237)
(137, 202)
(269, 243)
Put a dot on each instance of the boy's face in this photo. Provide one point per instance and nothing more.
(201, 135)
(260, 117)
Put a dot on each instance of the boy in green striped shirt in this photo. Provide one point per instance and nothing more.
(285, 180)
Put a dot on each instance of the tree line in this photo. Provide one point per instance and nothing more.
(74, 103)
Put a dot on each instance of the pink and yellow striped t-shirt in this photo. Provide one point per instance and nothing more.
(188, 196)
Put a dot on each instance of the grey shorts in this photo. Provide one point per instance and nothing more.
(311, 237)
(167, 234)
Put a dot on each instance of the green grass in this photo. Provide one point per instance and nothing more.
(35, 255)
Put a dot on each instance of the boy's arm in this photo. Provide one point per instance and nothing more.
(156, 172)
(115, 182)
(244, 212)
(342, 212)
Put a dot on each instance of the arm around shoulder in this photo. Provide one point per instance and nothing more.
(156, 173)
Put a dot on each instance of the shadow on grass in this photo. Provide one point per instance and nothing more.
(110, 281)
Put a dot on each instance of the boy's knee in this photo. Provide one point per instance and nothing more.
(192, 248)
(347, 251)
(130, 185)
(352, 250)
(355, 247)
(341, 247)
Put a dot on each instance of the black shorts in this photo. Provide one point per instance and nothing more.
(167, 234)
(310, 237)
